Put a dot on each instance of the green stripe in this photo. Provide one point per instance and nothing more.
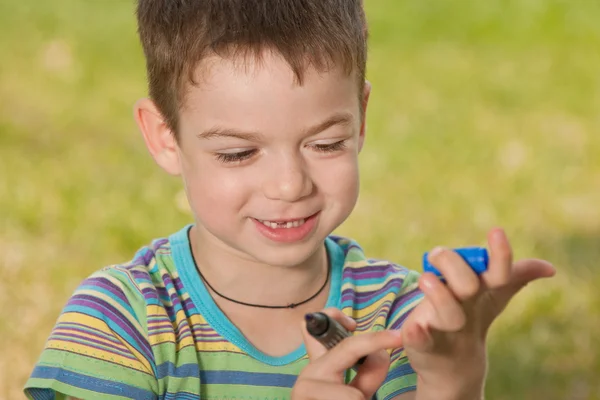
(97, 368)
(243, 392)
(62, 390)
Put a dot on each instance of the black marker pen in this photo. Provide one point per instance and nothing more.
(327, 330)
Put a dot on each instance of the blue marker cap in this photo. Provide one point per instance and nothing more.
(476, 257)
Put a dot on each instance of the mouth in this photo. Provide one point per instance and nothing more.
(288, 230)
(283, 224)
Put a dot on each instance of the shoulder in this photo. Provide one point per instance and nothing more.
(361, 269)
(136, 277)
(121, 292)
(375, 292)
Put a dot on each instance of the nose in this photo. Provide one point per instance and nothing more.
(288, 181)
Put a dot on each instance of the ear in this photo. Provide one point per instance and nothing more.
(159, 138)
(365, 102)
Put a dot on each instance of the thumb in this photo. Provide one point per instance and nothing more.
(315, 349)
(523, 272)
(372, 373)
(528, 270)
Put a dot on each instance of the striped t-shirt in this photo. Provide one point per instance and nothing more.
(149, 329)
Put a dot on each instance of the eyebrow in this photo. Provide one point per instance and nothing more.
(341, 118)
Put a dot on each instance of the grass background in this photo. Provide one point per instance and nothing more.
(483, 113)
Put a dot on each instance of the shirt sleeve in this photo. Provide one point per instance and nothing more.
(98, 348)
(401, 377)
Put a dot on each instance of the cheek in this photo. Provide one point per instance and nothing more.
(214, 193)
(340, 179)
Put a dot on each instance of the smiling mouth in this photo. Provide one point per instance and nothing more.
(283, 224)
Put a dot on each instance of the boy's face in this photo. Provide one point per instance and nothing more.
(270, 167)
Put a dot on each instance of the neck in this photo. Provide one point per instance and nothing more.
(250, 281)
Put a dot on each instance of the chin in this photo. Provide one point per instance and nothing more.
(289, 256)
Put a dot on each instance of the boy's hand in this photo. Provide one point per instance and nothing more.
(444, 336)
(323, 377)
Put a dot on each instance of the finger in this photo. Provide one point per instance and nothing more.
(313, 347)
(499, 271)
(350, 350)
(416, 336)
(311, 389)
(460, 278)
(524, 272)
(372, 373)
(448, 315)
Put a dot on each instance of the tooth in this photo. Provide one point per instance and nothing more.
(281, 225)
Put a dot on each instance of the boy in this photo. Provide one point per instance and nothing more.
(260, 107)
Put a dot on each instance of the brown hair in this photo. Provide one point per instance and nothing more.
(177, 34)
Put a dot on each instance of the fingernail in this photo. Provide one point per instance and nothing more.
(435, 251)
(497, 233)
(427, 284)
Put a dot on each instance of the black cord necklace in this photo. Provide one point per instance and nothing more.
(291, 305)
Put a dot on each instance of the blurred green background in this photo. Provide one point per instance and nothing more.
(483, 113)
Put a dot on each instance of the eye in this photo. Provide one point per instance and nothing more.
(228, 158)
(331, 147)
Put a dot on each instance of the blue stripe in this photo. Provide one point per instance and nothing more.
(91, 383)
(40, 394)
(247, 378)
(179, 396)
(400, 391)
(400, 371)
(168, 369)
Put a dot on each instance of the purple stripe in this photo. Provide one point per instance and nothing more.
(363, 297)
(108, 310)
(397, 324)
(202, 328)
(158, 243)
(107, 285)
(189, 306)
(367, 270)
(158, 325)
(406, 298)
(382, 310)
(90, 332)
(141, 275)
(155, 332)
(209, 335)
(98, 348)
(161, 291)
(150, 294)
(396, 352)
(175, 299)
(357, 275)
(178, 285)
(146, 256)
(181, 335)
(158, 317)
(167, 326)
(85, 340)
(401, 302)
(381, 305)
